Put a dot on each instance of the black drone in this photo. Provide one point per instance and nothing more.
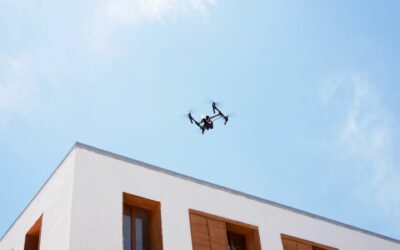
(208, 121)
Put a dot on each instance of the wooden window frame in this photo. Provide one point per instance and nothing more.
(33, 236)
(250, 232)
(306, 242)
(154, 207)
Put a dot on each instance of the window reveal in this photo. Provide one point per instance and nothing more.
(32, 237)
(141, 223)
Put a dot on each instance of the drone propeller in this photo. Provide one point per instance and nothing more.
(214, 106)
(213, 102)
(188, 114)
(226, 117)
(216, 103)
(189, 111)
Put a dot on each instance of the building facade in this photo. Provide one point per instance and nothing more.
(97, 200)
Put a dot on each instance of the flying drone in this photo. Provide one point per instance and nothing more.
(208, 121)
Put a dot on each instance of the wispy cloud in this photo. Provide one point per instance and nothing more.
(365, 130)
(111, 15)
(18, 89)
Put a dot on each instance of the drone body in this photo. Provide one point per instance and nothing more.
(208, 121)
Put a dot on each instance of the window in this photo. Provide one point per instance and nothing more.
(293, 243)
(210, 232)
(141, 223)
(32, 237)
(136, 227)
(236, 241)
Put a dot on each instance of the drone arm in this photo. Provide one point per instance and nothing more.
(215, 116)
(219, 115)
(193, 120)
(217, 109)
(197, 123)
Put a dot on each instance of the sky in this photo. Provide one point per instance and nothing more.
(312, 87)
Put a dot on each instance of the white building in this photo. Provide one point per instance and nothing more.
(97, 200)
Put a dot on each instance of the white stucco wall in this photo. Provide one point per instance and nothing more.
(82, 209)
(54, 202)
(97, 209)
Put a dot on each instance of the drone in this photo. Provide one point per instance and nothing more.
(208, 121)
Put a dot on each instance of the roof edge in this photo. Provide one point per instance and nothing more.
(201, 182)
(76, 144)
(229, 190)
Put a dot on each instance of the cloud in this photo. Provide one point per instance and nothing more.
(22, 66)
(18, 89)
(128, 12)
(111, 15)
(365, 130)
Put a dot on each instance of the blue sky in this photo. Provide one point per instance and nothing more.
(313, 87)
